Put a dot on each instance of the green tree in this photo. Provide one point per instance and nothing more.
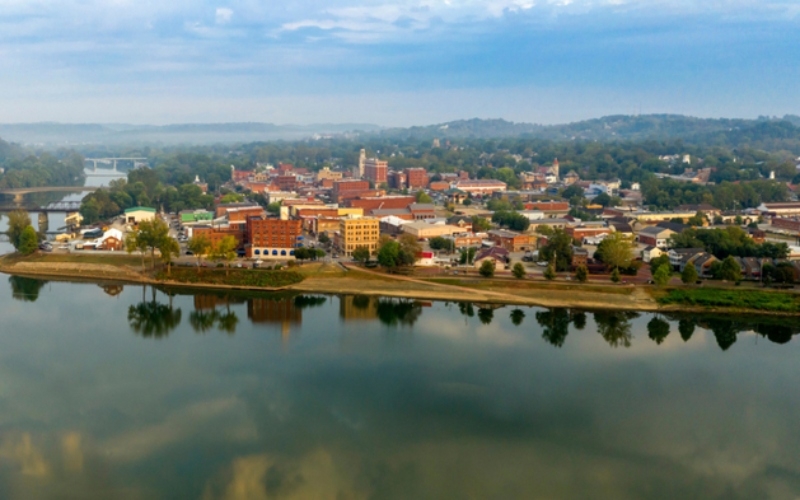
(689, 275)
(550, 272)
(361, 254)
(615, 275)
(224, 251)
(662, 275)
(582, 274)
(422, 197)
(659, 261)
(169, 248)
(440, 243)
(518, 270)
(18, 220)
(28, 241)
(686, 328)
(730, 270)
(616, 251)
(558, 248)
(199, 245)
(487, 268)
(133, 243)
(323, 238)
(152, 235)
(467, 255)
(479, 224)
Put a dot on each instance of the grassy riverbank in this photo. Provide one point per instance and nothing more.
(337, 279)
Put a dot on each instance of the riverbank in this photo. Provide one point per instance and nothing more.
(331, 278)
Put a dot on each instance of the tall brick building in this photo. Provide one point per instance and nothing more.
(272, 238)
(376, 171)
(416, 178)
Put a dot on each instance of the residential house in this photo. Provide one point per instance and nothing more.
(655, 236)
(498, 254)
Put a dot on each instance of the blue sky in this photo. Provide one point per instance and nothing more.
(395, 63)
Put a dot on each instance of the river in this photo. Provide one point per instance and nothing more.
(127, 392)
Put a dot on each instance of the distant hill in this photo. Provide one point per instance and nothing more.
(54, 134)
(617, 127)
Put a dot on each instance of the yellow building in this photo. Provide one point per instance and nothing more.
(354, 233)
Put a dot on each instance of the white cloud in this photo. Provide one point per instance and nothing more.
(223, 15)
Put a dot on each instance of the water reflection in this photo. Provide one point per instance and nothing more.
(152, 318)
(615, 327)
(25, 289)
(517, 315)
(657, 329)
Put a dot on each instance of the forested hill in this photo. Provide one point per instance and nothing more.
(771, 134)
(24, 168)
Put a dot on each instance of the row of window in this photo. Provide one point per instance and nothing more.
(276, 253)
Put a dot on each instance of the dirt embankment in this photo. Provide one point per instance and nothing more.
(75, 270)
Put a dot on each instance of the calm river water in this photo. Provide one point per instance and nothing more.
(125, 392)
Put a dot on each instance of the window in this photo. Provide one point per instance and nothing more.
(274, 252)
(258, 252)
(283, 252)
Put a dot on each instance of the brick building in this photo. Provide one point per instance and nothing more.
(376, 171)
(272, 238)
(381, 202)
(346, 186)
(215, 234)
(416, 178)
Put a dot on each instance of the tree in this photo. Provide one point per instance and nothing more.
(395, 254)
(479, 224)
(603, 199)
(689, 274)
(28, 241)
(361, 254)
(582, 274)
(487, 268)
(224, 251)
(518, 270)
(151, 235)
(616, 251)
(558, 248)
(323, 238)
(199, 245)
(662, 275)
(555, 325)
(550, 272)
(615, 275)
(169, 248)
(662, 259)
(422, 197)
(686, 328)
(467, 255)
(730, 270)
(132, 243)
(18, 220)
(440, 243)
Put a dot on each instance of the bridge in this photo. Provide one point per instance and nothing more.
(58, 206)
(113, 161)
(18, 193)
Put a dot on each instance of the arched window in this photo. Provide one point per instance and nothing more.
(274, 252)
(283, 252)
(291, 252)
(258, 252)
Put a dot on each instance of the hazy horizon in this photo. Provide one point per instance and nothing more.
(404, 63)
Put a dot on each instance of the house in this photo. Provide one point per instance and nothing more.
(655, 236)
(425, 259)
(135, 215)
(702, 263)
(511, 241)
(651, 253)
(497, 254)
(580, 257)
(112, 240)
(679, 256)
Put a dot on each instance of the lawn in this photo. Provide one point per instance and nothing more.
(737, 299)
(233, 277)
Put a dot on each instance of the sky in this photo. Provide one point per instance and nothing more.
(409, 62)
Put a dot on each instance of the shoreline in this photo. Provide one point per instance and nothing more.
(356, 281)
